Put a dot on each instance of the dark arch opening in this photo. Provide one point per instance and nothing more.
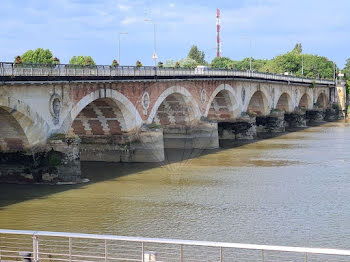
(257, 104)
(304, 102)
(221, 106)
(322, 101)
(101, 117)
(283, 103)
(12, 136)
(174, 111)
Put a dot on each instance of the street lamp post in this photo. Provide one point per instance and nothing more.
(154, 41)
(120, 33)
(250, 55)
(302, 64)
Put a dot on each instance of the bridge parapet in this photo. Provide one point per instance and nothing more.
(21, 72)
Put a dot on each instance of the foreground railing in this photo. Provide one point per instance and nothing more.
(13, 70)
(42, 246)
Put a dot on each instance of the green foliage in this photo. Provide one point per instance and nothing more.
(188, 63)
(197, 55)
(221, 63)
(58, 136)
(38, 56)
(115, 63)
(346, 69)
(177, 65)
(82, 61)
(227, 63)
(313, 84)
(154, 126)
(347, 87)
(298, 49)
(18, 60)
(54, 158)
(55, 61)
(160, 64)
(138, 63)
(169, 63)
(314, 66)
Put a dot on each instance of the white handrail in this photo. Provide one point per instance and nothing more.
(10, 69)
(324, 251)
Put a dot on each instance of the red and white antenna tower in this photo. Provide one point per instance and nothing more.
(218, 38)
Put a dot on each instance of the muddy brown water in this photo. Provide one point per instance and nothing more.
(289, 190)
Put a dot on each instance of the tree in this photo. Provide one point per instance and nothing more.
(257, 64)
(221, 62)
(346, 69)
(169, 63)
(160, 64)
(197, 55)
(138, 63)
(38, 56)
(298, 48)
(115, 63)
(82, 61)
(314, 66)
(188, 63)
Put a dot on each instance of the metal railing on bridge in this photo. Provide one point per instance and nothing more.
(45, 246)
(61, 70)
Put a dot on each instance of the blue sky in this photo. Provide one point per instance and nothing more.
(90, 27)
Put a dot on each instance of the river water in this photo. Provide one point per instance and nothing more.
(290, 190)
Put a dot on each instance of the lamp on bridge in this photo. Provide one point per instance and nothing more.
(154, 57)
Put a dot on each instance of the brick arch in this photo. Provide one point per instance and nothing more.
(23, 128)
(175, 105)
(322, 100)
(105, 106)
(305, 101)
(222, 103)
(284, 102)
(258, 103)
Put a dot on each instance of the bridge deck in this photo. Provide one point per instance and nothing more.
(10, 72)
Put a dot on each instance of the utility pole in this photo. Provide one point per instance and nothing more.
(120, 33)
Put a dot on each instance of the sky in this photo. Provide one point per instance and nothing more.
(91, 27)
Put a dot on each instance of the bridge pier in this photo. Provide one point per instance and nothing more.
(242, 128)
(315, 116)
(58, 161)
(202, 135)
(333, 114)
(273, 123)
(146, 145)
(296, 119)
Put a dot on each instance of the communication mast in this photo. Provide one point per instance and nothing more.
(218, 38)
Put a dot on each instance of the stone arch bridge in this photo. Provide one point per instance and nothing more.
(132, 114)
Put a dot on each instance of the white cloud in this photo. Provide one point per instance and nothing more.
(130, 20)
(171, 5)
(124, 8)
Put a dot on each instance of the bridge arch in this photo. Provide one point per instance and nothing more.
(175, 106)
(21, 128)
(305, 102)
(258, 103)
(222, 104)
(322, 101)
(284, 102)
(102, 112)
